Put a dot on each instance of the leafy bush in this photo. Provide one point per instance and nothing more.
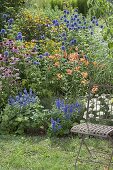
(9, 8)
(22, 112)
(63, 115)
(32, 26)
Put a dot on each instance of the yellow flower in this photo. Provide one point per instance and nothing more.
(59, 76)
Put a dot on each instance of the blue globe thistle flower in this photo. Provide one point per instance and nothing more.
(55, 23)
(40, 56)
(4, 16)
(67, 25)
(76, 10)
(63, 34)
(90, 26)
(65, 20)
(10, 21)
(63, 43)
(91, 33)
(63, 48)
(101, 26)
(76, 16)
(78, 27)
(6, 53)
(83, 17)
(72, 42)
(85, 23)
(19, 33)
(93, 21)
(3, 31)
(36, 62)
(64, 38)
(64, 16)
(93, 17)
(96, 23)
(72, 25)
(75, 23)
(19, 36)
(84, 27)
(72, 18)
(42, 37)
(46, 54)
(65, 11)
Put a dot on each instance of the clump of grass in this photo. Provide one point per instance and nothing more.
(18, 153)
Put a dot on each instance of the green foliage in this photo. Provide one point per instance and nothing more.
(63, 116)
(16, 119)
(98, 8)
(82, 6)
(41, 152)
(9, 8)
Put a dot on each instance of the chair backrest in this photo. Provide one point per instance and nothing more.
(99, 104)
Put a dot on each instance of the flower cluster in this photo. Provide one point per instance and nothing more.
(64, 116)
(76, 29)
(9, 22)
(68, 109)
(55, 124)
(23, 99)
(77, 22)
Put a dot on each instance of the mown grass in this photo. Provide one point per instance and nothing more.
(43, 153)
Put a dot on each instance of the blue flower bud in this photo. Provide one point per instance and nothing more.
(6, 53)
(63, 48)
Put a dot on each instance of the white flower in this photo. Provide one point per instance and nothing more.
(96, 108)
(98, 102)
(91, 115)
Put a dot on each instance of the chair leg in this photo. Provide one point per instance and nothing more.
(110, 160)
(87, 148)
(81, 143)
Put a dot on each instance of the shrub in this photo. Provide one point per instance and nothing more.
(9, 8)
(22, 112)
(63, 115)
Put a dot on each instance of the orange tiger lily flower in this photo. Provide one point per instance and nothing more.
(77, 68)
(69, 72)
(57, 64)
(84, 74)
(94, 89)
(51, 57)
(84, 82)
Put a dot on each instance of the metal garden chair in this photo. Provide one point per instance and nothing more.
(98, 120)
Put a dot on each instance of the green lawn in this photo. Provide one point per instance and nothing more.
(43, 153)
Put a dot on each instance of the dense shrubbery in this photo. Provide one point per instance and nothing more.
(56, 56)
(9, 8)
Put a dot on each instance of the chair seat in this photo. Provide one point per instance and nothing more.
(103, 131)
